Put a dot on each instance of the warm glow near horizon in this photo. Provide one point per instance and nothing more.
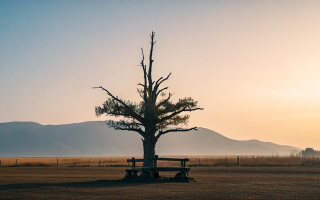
(253, 65)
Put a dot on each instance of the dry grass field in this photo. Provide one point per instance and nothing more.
(236, 182)
(194, 161)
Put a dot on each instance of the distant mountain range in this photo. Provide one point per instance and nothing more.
(29, 139)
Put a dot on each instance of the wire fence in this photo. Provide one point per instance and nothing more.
(256, 161)
(193, 161)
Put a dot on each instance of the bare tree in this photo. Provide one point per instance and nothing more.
(154, 115)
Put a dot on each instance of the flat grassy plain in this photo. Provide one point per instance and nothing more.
(233, 182)
(194, 161)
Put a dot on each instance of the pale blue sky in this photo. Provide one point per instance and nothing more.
(253, 65)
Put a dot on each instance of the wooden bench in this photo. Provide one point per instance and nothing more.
(133, 172)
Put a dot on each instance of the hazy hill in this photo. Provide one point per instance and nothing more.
(96, 139)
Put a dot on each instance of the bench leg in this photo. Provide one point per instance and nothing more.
(156, 175)
(181, 174)
(135, 175)
(184, 174)
(131, 175)
(128, 175)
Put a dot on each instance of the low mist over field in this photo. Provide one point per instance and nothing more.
(96, 139)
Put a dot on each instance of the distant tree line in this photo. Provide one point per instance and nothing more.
(310, 152)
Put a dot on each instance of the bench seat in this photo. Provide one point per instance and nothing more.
(159, 169)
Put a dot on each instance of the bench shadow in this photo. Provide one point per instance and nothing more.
(88, 184)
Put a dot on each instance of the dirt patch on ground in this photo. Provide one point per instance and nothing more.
(211, 183)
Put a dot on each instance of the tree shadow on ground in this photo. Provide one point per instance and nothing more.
(88, 184)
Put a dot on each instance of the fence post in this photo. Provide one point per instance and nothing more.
(100, 163)
(268, 158)
(0, 163)
(16, 162)
(199, 162)
(74, 164)
(238, 160)
(226, 160)
(57, 162)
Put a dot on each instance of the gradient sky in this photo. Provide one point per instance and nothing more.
(253, 65)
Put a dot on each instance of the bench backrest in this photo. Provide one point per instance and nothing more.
(182, 160)
(156, 158)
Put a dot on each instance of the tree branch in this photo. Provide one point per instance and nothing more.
(161, 90)
(116, 114)
(126, 126)
(140, 93)
(185, 109)
(130, 129)
(144, 76)
(158, 83)
(159, 80)
(166, 100)
(164, 79)
(141, 84)
(175, 130)
(150, 64)
(134, 114)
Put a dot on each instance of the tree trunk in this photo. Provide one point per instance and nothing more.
(148, 152)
